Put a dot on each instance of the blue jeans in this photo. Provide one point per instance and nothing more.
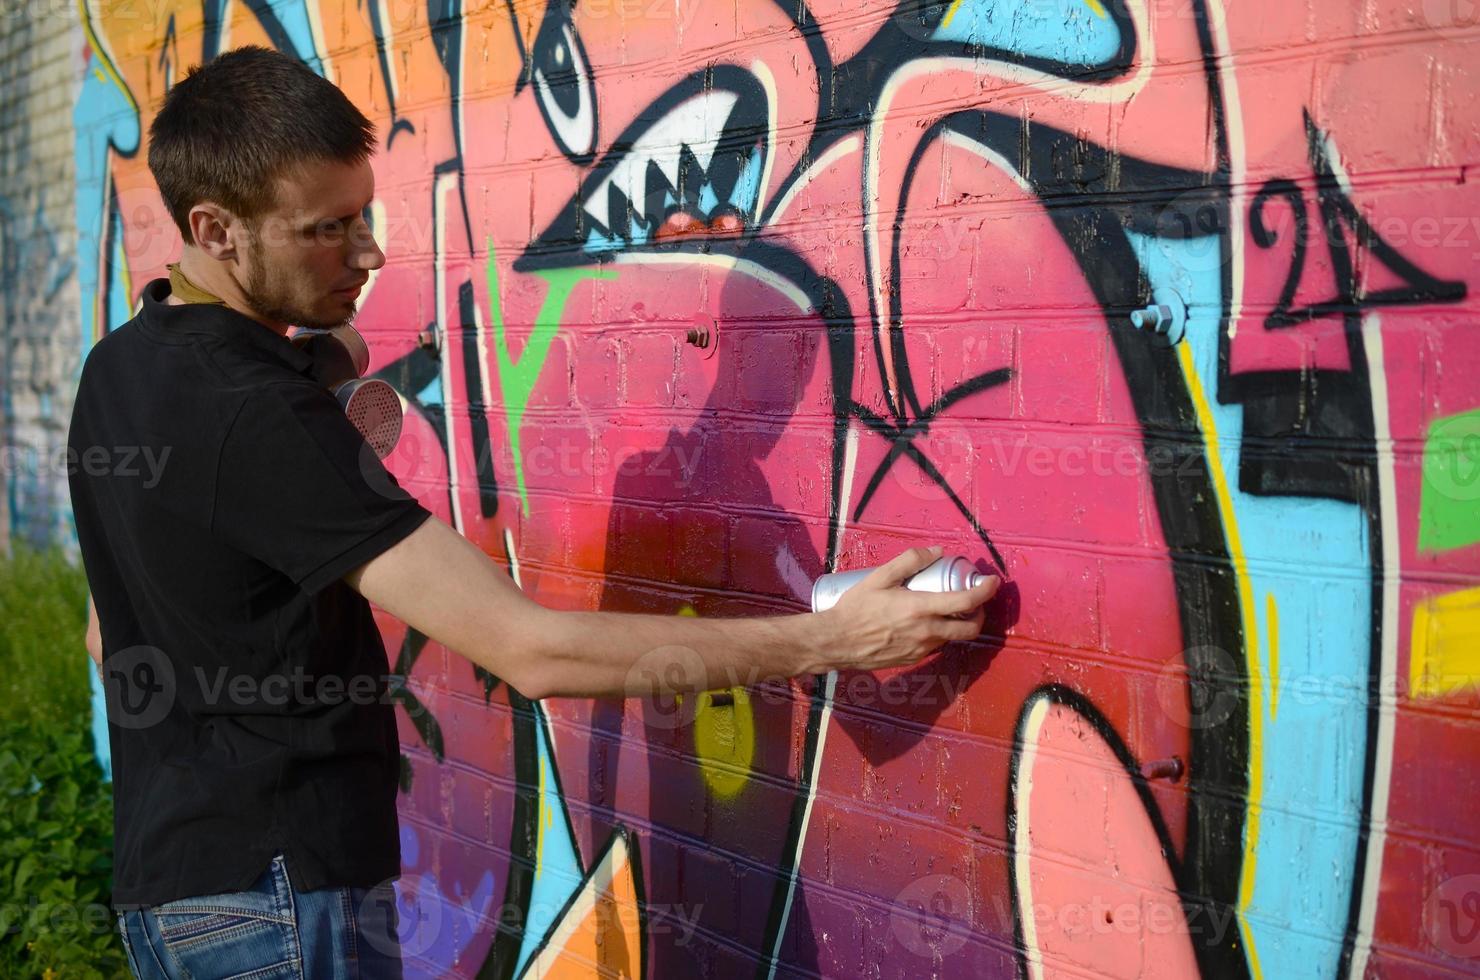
(271, 931)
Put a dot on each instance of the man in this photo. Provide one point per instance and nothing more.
(254, 770)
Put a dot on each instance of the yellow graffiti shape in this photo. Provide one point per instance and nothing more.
(724, 740)
(724, 735)
(1445, 649)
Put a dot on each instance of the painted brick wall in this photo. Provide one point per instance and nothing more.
(1164, 310)
(40, 64)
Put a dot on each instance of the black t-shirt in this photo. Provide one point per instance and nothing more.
(220, 494)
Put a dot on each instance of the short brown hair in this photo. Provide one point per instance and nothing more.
(236, 124)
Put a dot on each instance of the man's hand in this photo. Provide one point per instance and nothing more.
(879, 625)
(444, 586)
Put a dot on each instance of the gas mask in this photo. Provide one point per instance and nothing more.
(340, 359)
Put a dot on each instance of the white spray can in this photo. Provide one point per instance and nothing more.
(945, 574)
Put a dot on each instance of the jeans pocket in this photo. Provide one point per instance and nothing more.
(236, 934)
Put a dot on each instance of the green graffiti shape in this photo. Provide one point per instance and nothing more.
(517, 378)
(1449, 507)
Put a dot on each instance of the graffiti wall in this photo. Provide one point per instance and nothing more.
(1163, 309)
(38, 361)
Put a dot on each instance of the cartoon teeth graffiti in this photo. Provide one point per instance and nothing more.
(1065, 286)
(692, 169)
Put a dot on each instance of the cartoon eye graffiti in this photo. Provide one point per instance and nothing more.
(562, 83)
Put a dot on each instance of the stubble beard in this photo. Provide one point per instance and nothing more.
(268, 303)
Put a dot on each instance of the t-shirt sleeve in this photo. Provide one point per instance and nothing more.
(299, 489)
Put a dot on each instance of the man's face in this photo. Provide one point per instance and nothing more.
(308, 257)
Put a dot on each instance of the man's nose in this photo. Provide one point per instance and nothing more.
(368, 255)
(364, 250)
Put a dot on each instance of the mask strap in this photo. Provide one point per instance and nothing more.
(183, 289)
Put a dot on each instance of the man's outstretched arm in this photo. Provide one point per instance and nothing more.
(476, 610)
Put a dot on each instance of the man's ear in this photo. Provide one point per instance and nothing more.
(213, 228)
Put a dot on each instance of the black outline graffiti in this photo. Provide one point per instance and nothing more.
(1202, 569)
(399, 124)
(412, 645)
(562, 243)
(169, 53)
(1069, 698)
(902, 438)
(558, 22)
(477, 411)
(215, 23)
(524, 836)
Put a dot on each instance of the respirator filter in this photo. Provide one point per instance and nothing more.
(340, 359)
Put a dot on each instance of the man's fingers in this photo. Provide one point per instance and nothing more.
(985, 589)
(901, 567)
(965, 600)
(969, 628)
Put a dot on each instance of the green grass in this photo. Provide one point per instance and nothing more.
(56, 813)
(43, 618)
